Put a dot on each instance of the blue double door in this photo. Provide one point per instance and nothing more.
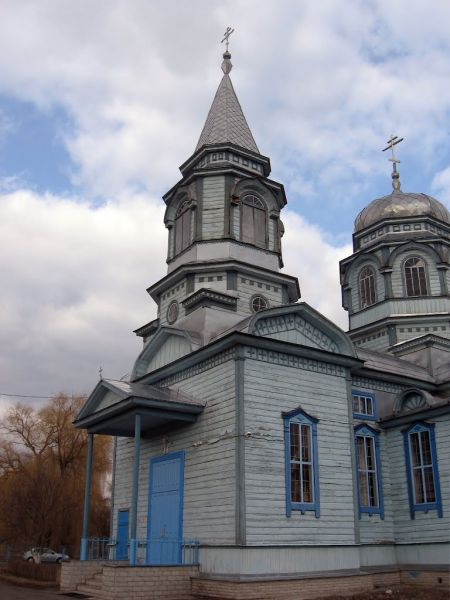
(165, 510)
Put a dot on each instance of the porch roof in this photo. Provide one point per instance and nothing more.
(112, 406)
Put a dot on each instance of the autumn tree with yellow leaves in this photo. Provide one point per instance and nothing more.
(42, 476)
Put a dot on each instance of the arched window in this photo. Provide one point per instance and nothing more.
(301, 462)
(253, 221)
(415, 277)
(424, 489)
(366, 281)
(368, 465)
(183, 226)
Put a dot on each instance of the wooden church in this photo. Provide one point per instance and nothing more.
(260, 451)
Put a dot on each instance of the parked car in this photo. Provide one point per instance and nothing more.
(45, 555)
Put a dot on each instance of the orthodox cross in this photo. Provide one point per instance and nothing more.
(100, 372)
(390, 144)
(393, 141)
(226, 36)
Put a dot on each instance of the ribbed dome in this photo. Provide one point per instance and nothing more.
(400, 205)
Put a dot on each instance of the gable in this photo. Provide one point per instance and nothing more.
(174, 347)
(167, 345)
(107, 399)
(301, 324)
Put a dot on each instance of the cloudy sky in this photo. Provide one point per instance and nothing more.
(102, 100)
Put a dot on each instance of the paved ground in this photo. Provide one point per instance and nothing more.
(9, 591)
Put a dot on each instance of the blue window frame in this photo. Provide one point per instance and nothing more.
(422, 473)
(364, 406)
(368, 471)
(301, 463)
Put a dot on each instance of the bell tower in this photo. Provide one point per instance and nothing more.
(396, 284)
(224, 230)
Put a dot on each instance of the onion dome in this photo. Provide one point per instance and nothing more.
(400, 205)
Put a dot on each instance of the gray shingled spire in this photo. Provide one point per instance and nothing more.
(225, 121)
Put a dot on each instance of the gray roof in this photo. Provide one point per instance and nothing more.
(225, 121)
(400, 205)
(151, 392)
(390, 364)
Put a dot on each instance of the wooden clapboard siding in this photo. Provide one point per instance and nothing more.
(270, 390)
(209, 475)
(177, 293)
(248, 287)
(174, 347)
(407, 306)
(426, 527)
(372, 528)
(213, 215)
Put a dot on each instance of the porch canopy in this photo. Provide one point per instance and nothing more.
(113, 405)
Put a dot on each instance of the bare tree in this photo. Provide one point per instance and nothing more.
(42, 474)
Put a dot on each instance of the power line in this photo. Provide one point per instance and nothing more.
(37, 397)
(23, 396)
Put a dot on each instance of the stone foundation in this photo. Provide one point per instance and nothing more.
(77, 571)
(311, 587)
(119, 581)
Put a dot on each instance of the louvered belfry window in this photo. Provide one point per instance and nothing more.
(253, 225)
(415, 277)
(183, 226)
(367, 287)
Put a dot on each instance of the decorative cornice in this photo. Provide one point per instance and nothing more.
(201, 367)
(227, 264)
(209, 297)
(288, 360)
(424, 341)
(289, 322)
(383, 386)
(144, 330)
(314, 357)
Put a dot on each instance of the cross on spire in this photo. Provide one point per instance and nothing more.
(393, 141)
(226, 36)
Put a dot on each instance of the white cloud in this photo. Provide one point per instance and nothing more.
(322, 88)
(309, 256)
(76, 285)
(76, 279)
(441, 186)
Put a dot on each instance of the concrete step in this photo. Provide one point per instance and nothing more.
(83, 588)
(94, 583)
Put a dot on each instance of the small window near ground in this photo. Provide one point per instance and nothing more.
(363, 405)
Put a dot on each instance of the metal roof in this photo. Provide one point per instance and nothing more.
(225, 121)
(400, 205)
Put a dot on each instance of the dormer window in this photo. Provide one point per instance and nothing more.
(415, 277)
(183, 227)
(366, 281)
(253, 221)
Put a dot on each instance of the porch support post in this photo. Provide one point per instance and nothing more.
(135, 489)
(87, 497)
